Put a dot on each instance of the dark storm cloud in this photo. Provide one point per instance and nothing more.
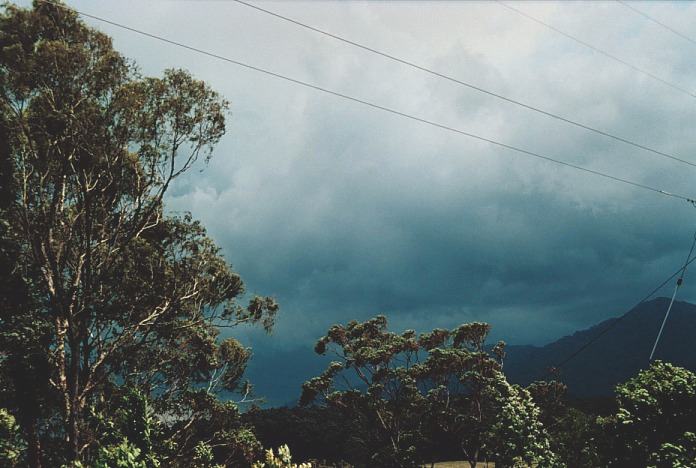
(344, 212)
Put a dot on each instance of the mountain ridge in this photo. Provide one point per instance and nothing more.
(616, 356)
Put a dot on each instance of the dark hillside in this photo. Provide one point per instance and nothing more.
(617, 355)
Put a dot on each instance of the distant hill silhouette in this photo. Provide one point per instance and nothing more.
(619, 354)
(615, 357)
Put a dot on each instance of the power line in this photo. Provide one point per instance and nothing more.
(592, 340)
(379, 107)
(464, 83)
(656, 21)
(598, 50)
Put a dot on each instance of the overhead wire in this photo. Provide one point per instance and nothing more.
(656, 21)
(598, 50)
(464, 83)
(516, 149)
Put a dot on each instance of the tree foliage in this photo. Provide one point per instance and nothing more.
(572, 432)
(680, 453)
(11, 442)
(405, 391)
(282, 460)
(654, 424)
(103, 289)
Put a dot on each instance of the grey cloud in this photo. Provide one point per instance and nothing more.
(344, 212)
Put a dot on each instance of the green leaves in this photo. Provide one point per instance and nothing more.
(406, 391)
(471, 335)
(656, 412)
(282, 460)
(12, 446)
(123, 455)
(680, 453)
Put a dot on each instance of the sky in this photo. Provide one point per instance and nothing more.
(343, 212)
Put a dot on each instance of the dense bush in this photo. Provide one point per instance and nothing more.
(655, 421)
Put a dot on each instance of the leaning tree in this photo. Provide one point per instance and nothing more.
(103, 289)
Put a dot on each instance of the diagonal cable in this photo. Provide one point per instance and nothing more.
(598, 50)
(467, 84)
(656, 21)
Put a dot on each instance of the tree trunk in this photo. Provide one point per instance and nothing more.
(473, 458)
(73, 388)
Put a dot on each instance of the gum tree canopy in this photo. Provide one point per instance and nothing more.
(410, 399)
(100, 288)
